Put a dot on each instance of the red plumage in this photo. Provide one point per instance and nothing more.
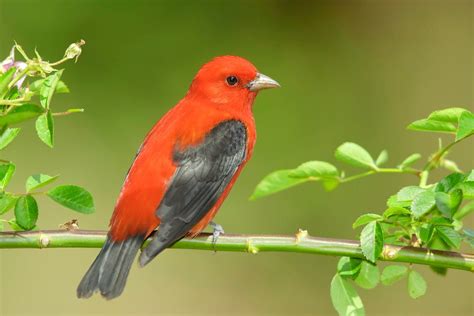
(212, 100)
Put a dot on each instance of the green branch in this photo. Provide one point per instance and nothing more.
(300, 243)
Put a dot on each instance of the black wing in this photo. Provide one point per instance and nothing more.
(203, 173)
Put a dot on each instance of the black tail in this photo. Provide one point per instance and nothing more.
(109, 272)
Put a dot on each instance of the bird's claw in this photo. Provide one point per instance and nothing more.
(217, 231)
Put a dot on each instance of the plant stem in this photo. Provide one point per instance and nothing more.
(247, 243)
(380, 170)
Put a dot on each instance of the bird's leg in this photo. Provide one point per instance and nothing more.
(217, 231)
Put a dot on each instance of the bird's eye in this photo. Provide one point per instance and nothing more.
(232, 80)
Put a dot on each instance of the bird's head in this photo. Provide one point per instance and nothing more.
(230, 80)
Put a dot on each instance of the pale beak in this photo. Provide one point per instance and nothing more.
(262, 82)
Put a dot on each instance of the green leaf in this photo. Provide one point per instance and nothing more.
(49, 87)
(60, 88)
(392, 274)
(73, 197)
(416, 284)
(37, 181)
(466, 125)
(464, 211)
(371, 241)
(366, 218)
(470, 176)
(467, 189)
(394, 202)
(369, 276)
(355, 155)
(7, 201)
(275, 182)
(426, 125)
(423, 203)
(14, 225)
(448, 203)
(449, 182)
(345, 299)
(6, 172)
(409, 161)
(449, 236)
(426, 233)
(396, 211)
(45, 128)
(314, 169)
(8, 136)
(5, 80)
(451, 115)
(409, 193)
(26, 212)
(439, 270)
(20, 113)
(382, 158)
(349, 267)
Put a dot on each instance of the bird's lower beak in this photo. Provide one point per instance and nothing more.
(262, 82)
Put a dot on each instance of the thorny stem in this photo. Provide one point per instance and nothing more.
(300, 243)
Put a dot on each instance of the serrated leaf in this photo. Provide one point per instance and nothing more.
(409, 161)
(315, 169)
(45, 128)
(449, 182)
(396, 211)
(394, 202)
(7, 201)
(382, 158)
(409, 193)
(48, 88)
(349, 267)
(371, 241)
(467, 189)
(392, 274)
(426, 233)
(61, 87)
(449, 236)
(37, 181)
(20, 113)
(345, 299)
(8, 136)
(73, 197)
(416, 284)
(427, 125)
(5, 80)
(355, 155)
(447, 115)
(6, 172)
(448, 203)
(26, 212)
(423, 203)
(366, 218)
(274, 182)
(465, 126)
(369, 276)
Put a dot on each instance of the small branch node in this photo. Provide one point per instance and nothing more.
(389, 252)
(300, 235)
(251, 248)
(44, 241)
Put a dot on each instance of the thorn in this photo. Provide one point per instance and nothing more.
(300, 235)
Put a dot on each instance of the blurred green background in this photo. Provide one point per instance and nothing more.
(350, 70)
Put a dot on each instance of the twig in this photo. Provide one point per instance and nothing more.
(247, 243)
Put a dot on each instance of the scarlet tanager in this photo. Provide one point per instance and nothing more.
(183, 171)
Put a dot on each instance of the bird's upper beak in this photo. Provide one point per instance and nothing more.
(262, 82)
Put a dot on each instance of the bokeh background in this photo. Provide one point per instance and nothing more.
(350, 70)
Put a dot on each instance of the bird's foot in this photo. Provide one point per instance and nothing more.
(217, 231)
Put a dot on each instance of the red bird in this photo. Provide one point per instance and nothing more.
(183, 171)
